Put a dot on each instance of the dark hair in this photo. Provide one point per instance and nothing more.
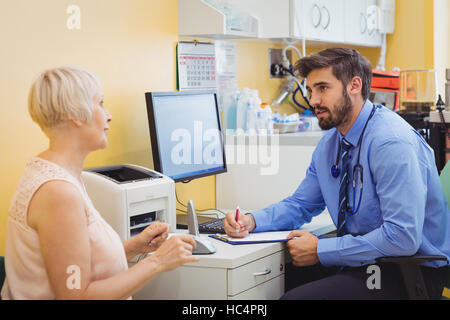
(345, 63)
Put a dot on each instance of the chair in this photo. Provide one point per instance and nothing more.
(412, 275)
(410, 265)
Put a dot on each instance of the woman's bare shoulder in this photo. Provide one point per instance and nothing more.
(55, 199)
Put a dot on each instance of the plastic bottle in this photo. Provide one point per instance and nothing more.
(255, 98)
(267, 122)
(253, 124)
(259, 119)
(310, 122)
(251, 121)
(276, 116)
(241, 113)
(229, 109)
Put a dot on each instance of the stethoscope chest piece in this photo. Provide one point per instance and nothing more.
(335, 171)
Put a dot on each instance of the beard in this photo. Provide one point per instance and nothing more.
(341, 112)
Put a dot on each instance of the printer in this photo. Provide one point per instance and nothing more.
(131, 197)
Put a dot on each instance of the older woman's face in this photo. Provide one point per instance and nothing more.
(97, 130)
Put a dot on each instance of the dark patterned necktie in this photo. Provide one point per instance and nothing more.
(343, 186)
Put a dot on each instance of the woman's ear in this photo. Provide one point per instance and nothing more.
(76, 122)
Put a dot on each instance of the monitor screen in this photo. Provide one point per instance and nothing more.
(185, 134)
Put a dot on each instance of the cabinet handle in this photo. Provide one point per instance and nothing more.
(316, 10)
(371, 16)
(363, 23)
(329, 17)
(262, 273)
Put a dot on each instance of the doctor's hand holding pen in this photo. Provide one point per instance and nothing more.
(238, 225)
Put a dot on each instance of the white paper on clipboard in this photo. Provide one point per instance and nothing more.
(196, 65)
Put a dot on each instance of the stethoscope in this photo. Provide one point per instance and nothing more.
(357, 170)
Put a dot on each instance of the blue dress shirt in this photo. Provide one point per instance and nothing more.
(403, 209)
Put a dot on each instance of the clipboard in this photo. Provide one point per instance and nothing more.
(252, 238)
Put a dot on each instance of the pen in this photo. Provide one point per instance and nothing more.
(236, 218)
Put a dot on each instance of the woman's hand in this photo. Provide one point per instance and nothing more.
(148, 240)
(174, 252)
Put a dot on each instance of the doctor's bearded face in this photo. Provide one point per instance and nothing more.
(329, 97)
(338, 116)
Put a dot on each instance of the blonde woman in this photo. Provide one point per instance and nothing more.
(57, 244)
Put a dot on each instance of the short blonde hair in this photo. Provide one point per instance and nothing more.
(62, 94)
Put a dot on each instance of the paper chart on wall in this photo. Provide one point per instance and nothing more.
(226, 66)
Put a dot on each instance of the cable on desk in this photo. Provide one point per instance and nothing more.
(199, 210)
(215, 215)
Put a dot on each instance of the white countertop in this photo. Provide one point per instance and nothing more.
(306, 138)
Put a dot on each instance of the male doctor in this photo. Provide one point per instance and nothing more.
(378, 179)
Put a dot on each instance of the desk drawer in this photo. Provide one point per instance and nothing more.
(256, 272)
(270, 290)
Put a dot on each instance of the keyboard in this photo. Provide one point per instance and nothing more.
(213, 226)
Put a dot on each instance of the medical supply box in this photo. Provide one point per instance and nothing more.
(385, 88)
(131, 197)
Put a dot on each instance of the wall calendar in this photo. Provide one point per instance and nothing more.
(196, 65)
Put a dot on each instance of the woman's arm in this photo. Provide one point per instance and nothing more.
(57, 213)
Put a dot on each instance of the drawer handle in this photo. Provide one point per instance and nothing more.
(262, 273)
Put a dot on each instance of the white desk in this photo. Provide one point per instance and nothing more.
(252, 271)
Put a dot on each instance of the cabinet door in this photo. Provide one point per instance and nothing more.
(322, 20)
(355, 21)
(309, 25)
(373, 37)
(273, 16)
(333, 20)
(297, 19)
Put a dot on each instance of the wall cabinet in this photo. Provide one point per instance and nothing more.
(329, 21)
(356, 24)
(319, 20)
(198, 18)
(273, 16)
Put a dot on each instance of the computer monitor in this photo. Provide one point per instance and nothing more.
(185, 132)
